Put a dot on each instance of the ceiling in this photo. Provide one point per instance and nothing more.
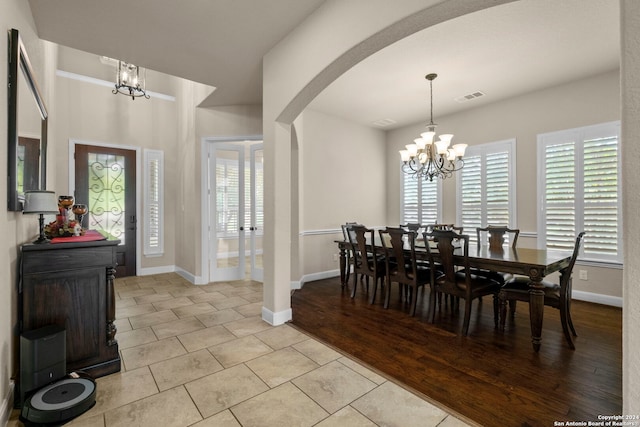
(502, 52)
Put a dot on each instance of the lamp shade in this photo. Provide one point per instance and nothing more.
(44, 202)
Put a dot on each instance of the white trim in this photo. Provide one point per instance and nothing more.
(597, 298)
(7, 405)
(72, 183)
(275, 319)
(196, 280)
(148, 271)
(320, 232)
(111, 85)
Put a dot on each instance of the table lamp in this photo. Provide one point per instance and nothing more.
(40, 202)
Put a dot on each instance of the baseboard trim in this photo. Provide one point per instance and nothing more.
(7, 405)
(597, 298)
(275, 319)
(157, 270)
(313, 277)
(196, 280)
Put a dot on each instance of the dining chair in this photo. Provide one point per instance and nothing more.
(402, 267)
(349, 236)
(497, 235)
(411, 226)
(366, 261)
(443, 227)
(458, 283)
(555, 295)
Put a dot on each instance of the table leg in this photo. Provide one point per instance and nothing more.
(536, 309)
(343, 266)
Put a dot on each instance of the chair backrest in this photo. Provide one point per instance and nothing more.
(347, 232)
(411, 226)
(393, 242)
(364, 252)
(446, 244)
(565, 282)
(496, 234)
(442, 227)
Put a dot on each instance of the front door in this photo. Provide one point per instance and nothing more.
(105, 180)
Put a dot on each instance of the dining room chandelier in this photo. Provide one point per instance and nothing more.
(428, 159)
(130, 80)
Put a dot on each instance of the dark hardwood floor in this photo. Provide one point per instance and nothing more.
(492, 378)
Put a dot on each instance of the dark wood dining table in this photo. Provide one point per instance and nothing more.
(534, 263)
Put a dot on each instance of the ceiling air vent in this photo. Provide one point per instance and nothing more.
(384, 123)
(469, 96)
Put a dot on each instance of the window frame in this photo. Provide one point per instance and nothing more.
(151, 156)
(483, 150)
(579, 135)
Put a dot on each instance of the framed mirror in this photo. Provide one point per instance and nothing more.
(27, 125)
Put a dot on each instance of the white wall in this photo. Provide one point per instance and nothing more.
(342, 178)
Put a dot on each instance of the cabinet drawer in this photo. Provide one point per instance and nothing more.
(67, 259)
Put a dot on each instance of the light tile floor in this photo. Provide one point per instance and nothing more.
(202, 356)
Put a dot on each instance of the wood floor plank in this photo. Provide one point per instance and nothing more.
(493, 378)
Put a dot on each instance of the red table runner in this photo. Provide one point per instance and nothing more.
(88, 236)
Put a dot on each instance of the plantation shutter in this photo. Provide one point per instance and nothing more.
(419, 200)
(560, 195)
(153, 202)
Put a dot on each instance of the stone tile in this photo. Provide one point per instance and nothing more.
(178, 327)
(362, 370)
(219, 317)
(194, 309)
(148, 354)
(283, 406)
(391, 405)
(135, 337)
(128, 302)
(239, 350)
(151, 298)
(171, 408)
(172, 303)
(186, 291)
(248, 310)
(222, 390)
(134, 310)
(316, 351)
(254, 297)
(333, 386)
(216, 287)
(153, 318)
(122, 325)
(122, 388)
(281, 366)
(347, 416)
(204, 338)
(135, 293)
(221, 419)
(183, 369)
(281, 337)
(234, 292)
(207, 297)
(248, 326)
(452, 421)
(229, 303)
(84, 421)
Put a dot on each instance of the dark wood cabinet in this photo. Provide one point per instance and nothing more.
(71, 284)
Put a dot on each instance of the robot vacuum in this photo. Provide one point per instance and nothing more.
(60, 401)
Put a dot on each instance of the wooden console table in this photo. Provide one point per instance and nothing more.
(71, 284)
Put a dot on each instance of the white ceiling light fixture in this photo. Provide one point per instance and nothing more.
(428, 159)
(130, 80)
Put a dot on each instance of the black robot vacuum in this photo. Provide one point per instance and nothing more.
(60, 401)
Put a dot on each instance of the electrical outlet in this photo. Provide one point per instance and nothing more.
(335, 257)
(583, 275)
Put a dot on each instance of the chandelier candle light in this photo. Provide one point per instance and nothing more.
(428, 159)
(130, 80)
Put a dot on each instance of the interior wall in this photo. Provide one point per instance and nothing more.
(342, 178)
(15, 228)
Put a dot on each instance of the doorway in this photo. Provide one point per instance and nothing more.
(236, 201)
(105, 180)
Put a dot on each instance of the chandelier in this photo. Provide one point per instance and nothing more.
(130, 80)
(428, 159)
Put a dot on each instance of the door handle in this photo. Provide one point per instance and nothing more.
(241, 228)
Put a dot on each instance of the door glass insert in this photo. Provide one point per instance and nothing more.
(106, 194)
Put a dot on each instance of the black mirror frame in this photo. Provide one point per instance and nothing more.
(19, 62)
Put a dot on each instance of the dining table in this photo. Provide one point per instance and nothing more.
(534, 263)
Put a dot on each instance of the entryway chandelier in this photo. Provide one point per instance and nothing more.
(428, 159)
(130, 80)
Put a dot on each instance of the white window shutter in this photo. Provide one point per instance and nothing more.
(153, 202)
